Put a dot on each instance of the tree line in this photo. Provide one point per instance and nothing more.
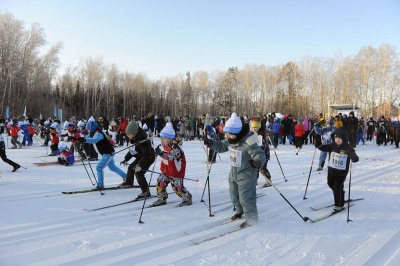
(306, 86)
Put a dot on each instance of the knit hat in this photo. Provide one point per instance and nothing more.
(256, 124)
(54, 125)
(168, 131)
(80, 124)
(62, 146)
(145, 127)
(66, 125)
(233, 125)
(338, 135)
(132, 128)
(92, 125)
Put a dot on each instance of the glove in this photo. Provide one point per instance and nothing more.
(123, 163)
(158, 150)
(138, 168)
(81, 139)
(255, 164)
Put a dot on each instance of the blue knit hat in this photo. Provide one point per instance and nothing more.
(233, 125)
(168, 131)
(92, 125)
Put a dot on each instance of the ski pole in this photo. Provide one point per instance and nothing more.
(208, 186)
(348, 202)
(90, 165)
(208, 183)
(84, 165)
(309, 174)
(94, 176)
(136, 143)
(305, 219)
(219, 156)
(297, 153)
(91, 181)
(155, 172)
(278, 162)
(148, 190)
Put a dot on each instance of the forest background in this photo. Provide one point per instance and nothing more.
(30, 78)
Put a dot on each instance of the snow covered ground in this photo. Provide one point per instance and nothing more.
(41, 226)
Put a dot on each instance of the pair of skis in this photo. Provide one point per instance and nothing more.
(96, 189)
(323, 217)
(214, 236)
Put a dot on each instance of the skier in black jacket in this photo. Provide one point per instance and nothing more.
(340, 154)
(143, 152)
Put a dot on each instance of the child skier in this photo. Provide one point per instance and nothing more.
(66, 156)
(4, 156)
(143, 152)
(54, 140)
(326, 139)
(339, 160)
(98, 138)
(13, 128)
(246, 160)
(173, 167)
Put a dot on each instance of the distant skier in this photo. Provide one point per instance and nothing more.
(4, 156)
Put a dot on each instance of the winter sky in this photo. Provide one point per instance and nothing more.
(166, 38)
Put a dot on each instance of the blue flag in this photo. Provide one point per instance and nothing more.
(55, 110)
(8, 112)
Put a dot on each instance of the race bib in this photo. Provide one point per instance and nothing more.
(132, 150)
(235, 157)
(338, 161)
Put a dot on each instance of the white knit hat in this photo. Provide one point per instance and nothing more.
(81, 124)
(168, 131)
(233, 125)
(66, 125)
(54, 125)
(62, 146)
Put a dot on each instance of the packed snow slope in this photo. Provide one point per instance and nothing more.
(41, 226)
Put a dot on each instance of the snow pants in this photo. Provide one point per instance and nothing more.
(242, 189)
(336, 183)
(107, 160)
(177, 187)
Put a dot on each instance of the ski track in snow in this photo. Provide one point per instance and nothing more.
(41, 226)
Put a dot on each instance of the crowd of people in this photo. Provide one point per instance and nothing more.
(248, 140)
